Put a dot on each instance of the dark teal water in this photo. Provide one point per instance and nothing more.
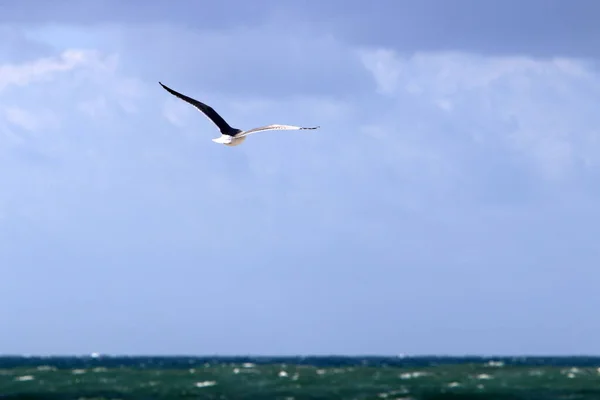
(296, 378)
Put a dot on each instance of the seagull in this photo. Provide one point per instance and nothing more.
(229, 136)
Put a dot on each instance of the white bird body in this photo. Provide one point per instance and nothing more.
(229, 136)
(229, 140)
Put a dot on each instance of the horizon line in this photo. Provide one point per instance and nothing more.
(308, 355)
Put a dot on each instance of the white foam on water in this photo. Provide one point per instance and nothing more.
(571, 372)
(205, 384)
(394, 393)
(411, 375)
(454, 384)
(78, 371)
(99, 369)
(24, 378)
(248, 365)
(46, 368)
(497, 364)
(322, 372)
(536, 372)
(283, 374)
(245, 370)
(484, 376)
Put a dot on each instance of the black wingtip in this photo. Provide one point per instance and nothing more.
(165, 87)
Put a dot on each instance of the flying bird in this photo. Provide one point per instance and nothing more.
(229, 136)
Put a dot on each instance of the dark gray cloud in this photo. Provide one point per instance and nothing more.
(219, 15)
(533, 27)
(271, 61)
(536, 27)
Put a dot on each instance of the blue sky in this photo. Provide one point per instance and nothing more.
(447, 205)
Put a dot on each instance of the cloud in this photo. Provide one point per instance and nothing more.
(17, 47)
(96, 108)
(31, 121)
(536, 110)
(435, 179)
(441, 112)
(43, 69)
(49, 123)
(470, 26)
(384, 66)
(286, 64)
(32, 13)
(175, 113)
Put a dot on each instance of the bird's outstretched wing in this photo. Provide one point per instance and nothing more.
(273, 128)
(205, 109)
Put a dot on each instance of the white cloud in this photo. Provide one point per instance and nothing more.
(82, 92)
(177, 112)
(83, 80)
(32, 121)
(128, 92)
(45, 68)
(385, 67)
(82, 67)
(539, 109)
(95, 108)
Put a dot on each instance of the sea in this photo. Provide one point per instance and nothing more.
(295, 378)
